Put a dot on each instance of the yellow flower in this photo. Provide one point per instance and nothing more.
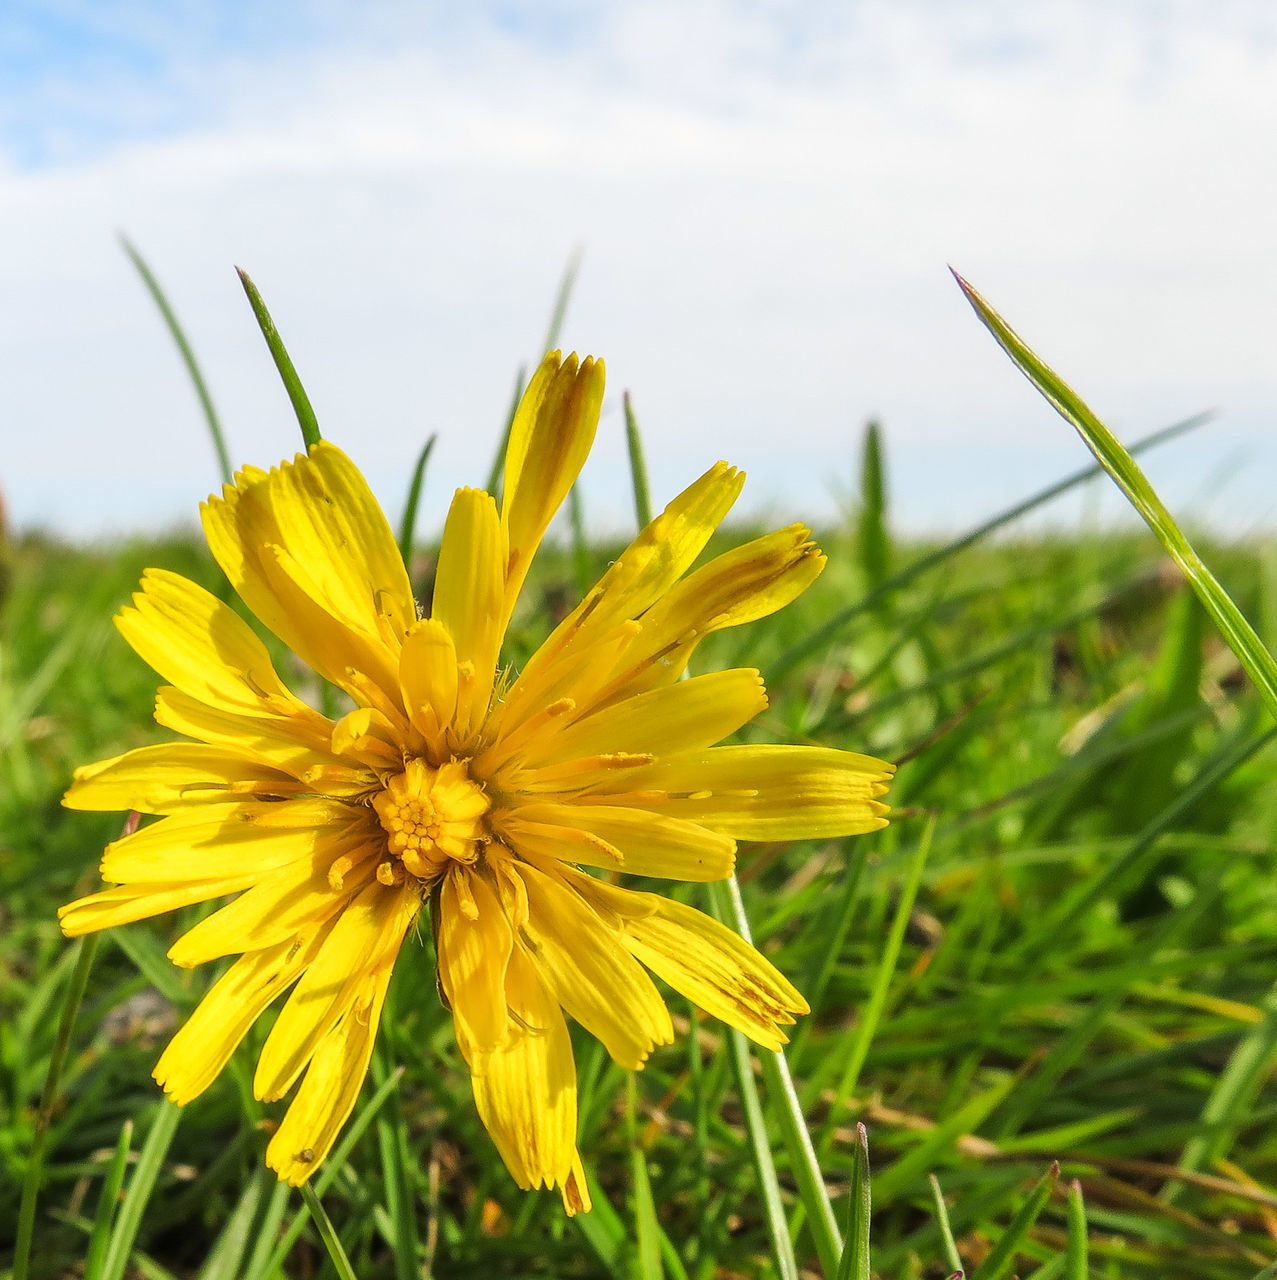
(454, 782)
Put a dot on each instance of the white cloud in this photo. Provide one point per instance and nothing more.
(767, 203)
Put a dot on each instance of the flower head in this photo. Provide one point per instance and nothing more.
(453, 782)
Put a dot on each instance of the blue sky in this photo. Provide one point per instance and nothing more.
(767, 195)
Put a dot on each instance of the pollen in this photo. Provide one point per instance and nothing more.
(431, 816)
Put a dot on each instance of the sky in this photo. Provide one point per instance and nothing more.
(766, 197)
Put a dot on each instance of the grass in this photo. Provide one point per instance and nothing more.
(1080, 970)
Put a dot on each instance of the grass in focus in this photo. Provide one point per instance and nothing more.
(1046, 991)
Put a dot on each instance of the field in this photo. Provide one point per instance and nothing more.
(1046, 990)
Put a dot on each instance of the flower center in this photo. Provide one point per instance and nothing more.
(431, 816)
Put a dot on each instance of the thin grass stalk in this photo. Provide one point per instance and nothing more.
(725, 898)
(1229, 1103)
(227, 1256)
(297, 397)
(108, 1202)
(872, 1012)
(1076, 1257)
(408, 526)
(764, 1165)
(53, 1078)
(638, 466)
(497, 469)
(833, 940)
(1239, 635)
(561, 299)
(951, 1255)
(829, 630)
(141, 1185)
(1002, 1256)
(855, 1263)
(647, 1230)
(580, 543)
(392, 1148)
(327, 1233)
(873, 542)
(188, 357)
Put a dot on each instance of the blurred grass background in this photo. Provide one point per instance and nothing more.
(1078, 969)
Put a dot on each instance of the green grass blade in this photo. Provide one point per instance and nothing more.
(1002, 1256)
(498, 460)
(952, 1257)
(1041, 943)
(638, 466)
(35, 1161)
(647, 1229)
(580, 543)
(1231, 1101)
(392, 1146)
(141, 1187)
(408, 526)
(292, 383)
(835, 624)
(872, 1012)
(725, 899)
(227, 1255)
(327, 1233)
(911, 1166)
(1117, 461)
(108, 1201)
(855, 1264)
(602, 1229)
(562, 298)
(1076, 1256)
(873, 543)
(722, 907)
(764, 1165)
(187, 353)
(268, 1233)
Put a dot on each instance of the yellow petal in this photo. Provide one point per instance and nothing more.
(127, 903)
(225, 839)
(173, 776)
(203, 646)
(367, 934)
(469, 584)
(525, 1089)
(370, 737)
(428, 679)
(244, 534)
(576, 1192)
(636, 841)
(291, 746)
(691, 714)
(205, 1042)
(758, 792)
(294, 900)
(473, 954)
(331, 1088)
(591, 974)
(332, 524)
(550, 440)
(739, 586)
(715, 969)
(240, 526)
(639, 576)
